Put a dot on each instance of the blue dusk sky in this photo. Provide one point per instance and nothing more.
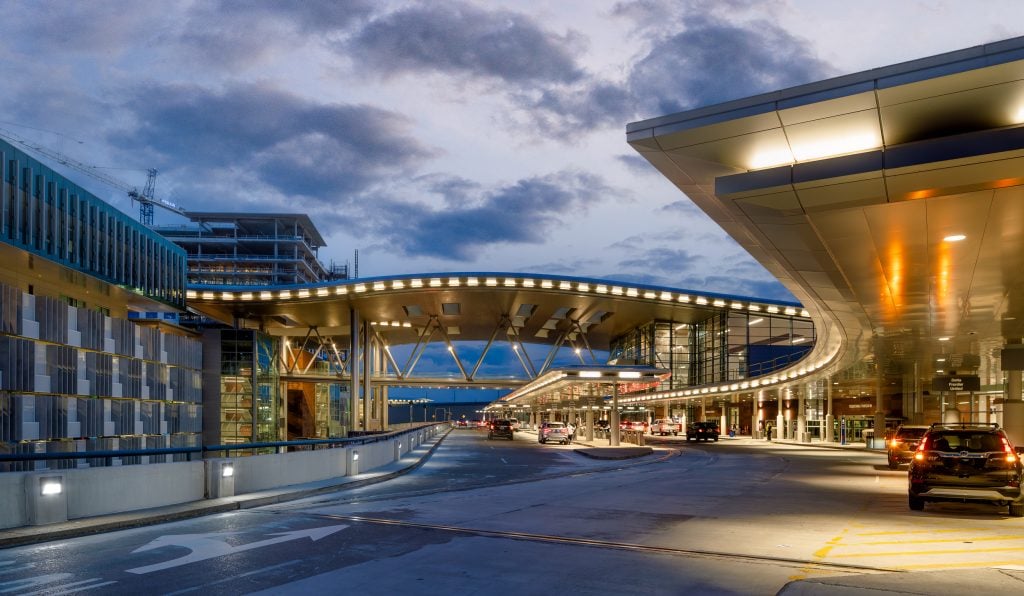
(443, 136)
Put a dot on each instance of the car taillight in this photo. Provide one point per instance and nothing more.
(894, 443)
(1011, 456)
(921, 447)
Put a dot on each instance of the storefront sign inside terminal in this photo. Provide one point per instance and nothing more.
(956, 383)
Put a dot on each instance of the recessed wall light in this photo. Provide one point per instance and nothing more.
(954, 238)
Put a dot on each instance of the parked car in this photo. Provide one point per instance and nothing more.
(665, 426)
(515, 424)
(903, 443)
(640, 425)
(702, 431)
(501, 428)
(553, 431)
(966, 462)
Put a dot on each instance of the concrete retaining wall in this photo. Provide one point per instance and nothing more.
(99, 491)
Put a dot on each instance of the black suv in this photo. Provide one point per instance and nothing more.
(702, 431)
(902, 445)
(966, 462)
(501, 428)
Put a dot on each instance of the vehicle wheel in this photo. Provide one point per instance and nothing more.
(893, 465)
(715, 439)
(541, 441)
(916, 503)
(1016, 509)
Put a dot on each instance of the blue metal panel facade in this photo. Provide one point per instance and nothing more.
(48, 215)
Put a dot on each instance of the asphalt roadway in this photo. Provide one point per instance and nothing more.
(1004, 579)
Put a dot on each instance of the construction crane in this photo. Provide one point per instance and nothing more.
(145, 198)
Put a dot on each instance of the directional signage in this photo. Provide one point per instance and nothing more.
(956, 383)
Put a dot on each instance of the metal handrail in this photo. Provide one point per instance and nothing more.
(770, 366)
(363, 440)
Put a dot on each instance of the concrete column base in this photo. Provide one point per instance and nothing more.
(830, 435)
(1013, 421)
(352, 462)
(48, 508)
(220, 478)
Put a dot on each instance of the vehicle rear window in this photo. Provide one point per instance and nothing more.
(965, 441)
(911, 433)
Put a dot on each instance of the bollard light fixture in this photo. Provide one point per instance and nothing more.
(355, 456)
(50, 485)
(227, 471)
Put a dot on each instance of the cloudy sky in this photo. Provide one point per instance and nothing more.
(443, 136)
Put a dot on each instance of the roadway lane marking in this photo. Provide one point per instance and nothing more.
(72, 588)
(213, 545)
(11, 569)
(820, 555)
(966, 539)
(16, 585)
(935, 531)
(958, 551)
(277, 567)
(1011, 564)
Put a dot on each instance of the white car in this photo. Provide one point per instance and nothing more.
(553, 431)
(665, 426)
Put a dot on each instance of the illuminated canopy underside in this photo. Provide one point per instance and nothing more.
(846, 189)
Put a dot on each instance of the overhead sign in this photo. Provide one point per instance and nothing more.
(957, 383)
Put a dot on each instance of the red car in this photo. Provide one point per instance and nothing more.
(639, 425)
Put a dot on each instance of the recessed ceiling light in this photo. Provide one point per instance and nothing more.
(954, 238)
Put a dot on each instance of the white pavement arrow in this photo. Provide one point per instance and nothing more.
(212, 545)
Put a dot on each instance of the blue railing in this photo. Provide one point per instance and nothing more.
(225, 450)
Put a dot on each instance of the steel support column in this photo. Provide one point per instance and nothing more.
(830, 435)
(353, 363)
(367, 381)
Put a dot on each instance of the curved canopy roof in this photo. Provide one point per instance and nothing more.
(889, 202)
(470, 306)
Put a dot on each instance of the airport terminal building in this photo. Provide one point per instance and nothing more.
(889, 202)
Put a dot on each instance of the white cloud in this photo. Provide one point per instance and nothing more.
(444, 136)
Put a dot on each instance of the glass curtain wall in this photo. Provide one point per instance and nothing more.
(728, 346)
(250, 387)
